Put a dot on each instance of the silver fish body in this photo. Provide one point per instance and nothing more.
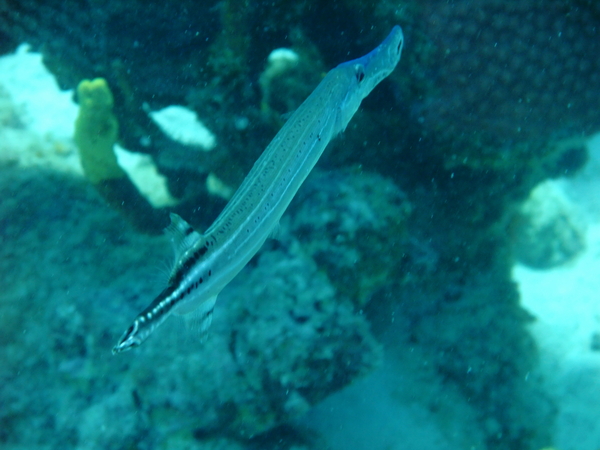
(205, 264)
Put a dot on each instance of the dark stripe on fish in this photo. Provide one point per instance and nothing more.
(187, 265)
(158, 302)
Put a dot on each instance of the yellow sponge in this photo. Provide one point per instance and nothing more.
(96, 131)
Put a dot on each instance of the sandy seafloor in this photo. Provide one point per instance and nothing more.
(381, 412)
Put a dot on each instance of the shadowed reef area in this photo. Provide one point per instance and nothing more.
(411, 215)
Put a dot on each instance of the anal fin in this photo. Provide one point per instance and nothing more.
(199, 320)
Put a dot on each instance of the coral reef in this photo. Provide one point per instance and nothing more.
(474, 335)
(8, 114)
(474, 118)
(547, 232)
(507, 82)
(463, 316)
(354, 222)
(275, 347)
(539, 77)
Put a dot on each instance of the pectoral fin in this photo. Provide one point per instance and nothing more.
(181, 234)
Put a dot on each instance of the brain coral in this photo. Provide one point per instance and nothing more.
(509, 75)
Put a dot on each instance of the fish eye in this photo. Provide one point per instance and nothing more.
(360, 73)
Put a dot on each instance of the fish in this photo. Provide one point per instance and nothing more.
(206, 263)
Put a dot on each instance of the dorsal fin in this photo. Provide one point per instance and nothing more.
(181, 234)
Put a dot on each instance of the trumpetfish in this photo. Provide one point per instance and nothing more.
(206, 263)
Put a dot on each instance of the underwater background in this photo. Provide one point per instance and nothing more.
(433, 285)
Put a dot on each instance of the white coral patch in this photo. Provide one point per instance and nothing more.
(183, 125)
(282, 59)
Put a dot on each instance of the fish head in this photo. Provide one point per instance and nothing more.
(360, 76)
(130, 339)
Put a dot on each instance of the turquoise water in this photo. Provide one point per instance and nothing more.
(432, 285)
